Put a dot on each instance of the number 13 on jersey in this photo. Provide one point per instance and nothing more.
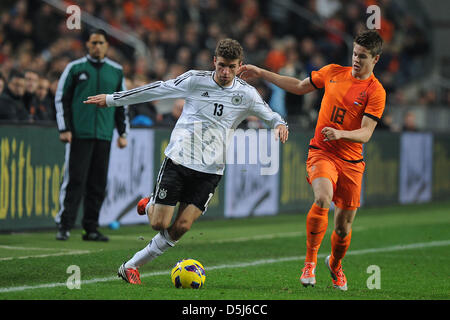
(218, 109)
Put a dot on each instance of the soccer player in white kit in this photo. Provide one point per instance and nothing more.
(216, 102)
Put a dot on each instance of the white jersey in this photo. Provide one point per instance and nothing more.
(210, 113)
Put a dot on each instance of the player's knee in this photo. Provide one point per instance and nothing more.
(323, 200)
(342, 232)
(158, 225)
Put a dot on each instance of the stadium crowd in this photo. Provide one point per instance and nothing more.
(36, 45)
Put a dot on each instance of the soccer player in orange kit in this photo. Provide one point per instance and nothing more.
(352, 105)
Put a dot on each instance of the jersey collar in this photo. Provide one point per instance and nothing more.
(93, 60)
(230, 87)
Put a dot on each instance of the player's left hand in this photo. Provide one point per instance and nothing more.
(282, 132)
(99, 100)
(331, 134)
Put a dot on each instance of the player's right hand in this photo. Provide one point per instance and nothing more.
(282, 132)
(99, 100)
(65, 136)
(249, 71)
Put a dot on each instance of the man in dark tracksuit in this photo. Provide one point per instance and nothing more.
(87, 132)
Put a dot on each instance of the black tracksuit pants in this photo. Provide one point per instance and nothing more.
(85, 177)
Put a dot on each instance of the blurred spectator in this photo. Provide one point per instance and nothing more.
(169, 119)
(184, 57)
(267, 93)
(428, 97)
(328, 8)
(44, 23)
(276, 58)
(11, 103)
(203, 60)
(53, 79)
(409, 122)
(31, 84)
(387, 123)
(277, 100)
(415, 47)
(398, 98)
(2, 83)
(142, 114)
(307, 51)
(446, 100)
(293, 68)
(42, 107)
(181, 35)
(253, 53)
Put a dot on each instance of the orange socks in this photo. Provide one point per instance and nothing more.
(339, 247)
(316, 226)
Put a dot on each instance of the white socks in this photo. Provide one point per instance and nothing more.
(160, 243)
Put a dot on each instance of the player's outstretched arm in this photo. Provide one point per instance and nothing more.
(99, 100)
(290, 84)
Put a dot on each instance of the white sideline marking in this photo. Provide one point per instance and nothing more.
(63, 252)
(30, 248)
(56, 254)
(292, 234)
(244, 264)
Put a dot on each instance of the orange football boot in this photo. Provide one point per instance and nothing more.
(130, 275)
(308, 277)
(337, 276)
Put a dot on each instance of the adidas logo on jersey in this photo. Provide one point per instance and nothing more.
(205, 94)
(83, 76)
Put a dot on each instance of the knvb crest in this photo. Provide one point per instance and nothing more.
(360, 99)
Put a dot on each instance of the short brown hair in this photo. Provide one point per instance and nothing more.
(229, 49)
(370, 40)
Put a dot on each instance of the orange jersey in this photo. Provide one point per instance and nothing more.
(345, 102)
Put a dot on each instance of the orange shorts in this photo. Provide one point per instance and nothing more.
(345, 176)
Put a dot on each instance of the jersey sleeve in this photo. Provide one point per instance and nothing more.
(262, 110)
(376, 104)
(318, 78)
(121, 117)
(179, 87)
(63, 99)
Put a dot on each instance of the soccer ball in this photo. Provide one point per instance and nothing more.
(188, 273)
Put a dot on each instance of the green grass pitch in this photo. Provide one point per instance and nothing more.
(256, 258)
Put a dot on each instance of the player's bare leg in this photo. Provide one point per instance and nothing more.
(187, 214)
(160, 216)
(323, 192)
(340, 242)
(343, 221)
(316, 227)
